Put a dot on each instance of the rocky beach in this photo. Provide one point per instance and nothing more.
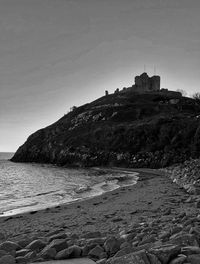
(154, 132)
(154, 221)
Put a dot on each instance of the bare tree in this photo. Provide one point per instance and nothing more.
(183, 92)
(196, 96)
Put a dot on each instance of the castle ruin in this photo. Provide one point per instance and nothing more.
(144, 83)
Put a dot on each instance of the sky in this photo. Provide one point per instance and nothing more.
(55, 54)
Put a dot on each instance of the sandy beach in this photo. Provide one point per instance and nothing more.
(153, 196)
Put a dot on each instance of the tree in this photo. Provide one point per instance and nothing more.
(183, 92)
(196, 97)
(73, 108)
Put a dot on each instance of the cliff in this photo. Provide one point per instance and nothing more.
(123, 129)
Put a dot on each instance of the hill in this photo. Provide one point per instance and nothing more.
(153, 129)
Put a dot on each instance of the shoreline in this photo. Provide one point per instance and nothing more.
(126, 174)
(153, 221)
(107, 212)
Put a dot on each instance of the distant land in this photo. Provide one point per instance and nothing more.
(138, 126)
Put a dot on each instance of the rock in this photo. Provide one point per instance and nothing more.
(130, 237)
(111, 246)
(146, 246)
(189, 250)
(176, 229)
(139, 257)
(184, 240)
(36, 245)
(22, 252)
(103, 255)
(24, 242)
(7, 259)
(153, 259)
(48, 253)
(21, 260)
(30, 255)
(165, 252)
(57, 236)
(97, 241)
(74, 236)
(178, 260)
(123, 252)
(148, 239)
(167, 211)
(125, 245)
(3, 253)
(86, 249)
(92, 235)
(9, 246)
(58, 244)
(164, 235)
(71, 252)
(193, 259)
(96, 252)
(101, 261)
(198, 204)
(2, 236)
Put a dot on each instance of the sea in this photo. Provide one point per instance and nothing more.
(26, 187)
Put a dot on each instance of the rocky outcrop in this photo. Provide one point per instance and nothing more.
(162, 240)
(187, 176)
(143, 130)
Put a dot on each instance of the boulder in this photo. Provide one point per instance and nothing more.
(24, 242)
(184, 240)
(111, 246)
(193, 259)
(148, 239)
(57, 236)
(48, 253)
(9, 246)
(3, 253)
(139, 257)
(190, 250)
(92, 234)
(153, 259)
(165, 252)
(130, 236)
(86, 249)
(2, 236)
(58, 244)
(96, 252)
(123, 252)
(178, 260)
(97, 241)
(36, 245)
(21, 260)
(70, 252)
(101, 261)
(125, 245)
(30, 255)
(7, 259)
(22, 252)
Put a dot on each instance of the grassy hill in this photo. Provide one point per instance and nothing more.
(122, 129)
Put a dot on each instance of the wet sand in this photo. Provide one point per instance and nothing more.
(153, 196)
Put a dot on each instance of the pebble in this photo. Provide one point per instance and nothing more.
(165, 239)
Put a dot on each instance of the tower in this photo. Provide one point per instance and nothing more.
(155, 83)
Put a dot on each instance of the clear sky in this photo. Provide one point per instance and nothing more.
(58, 53)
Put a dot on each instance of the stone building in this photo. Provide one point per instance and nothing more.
(144, 83)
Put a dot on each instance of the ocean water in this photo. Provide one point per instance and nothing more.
(28, 186)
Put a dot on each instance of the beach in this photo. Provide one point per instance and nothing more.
(153, 196)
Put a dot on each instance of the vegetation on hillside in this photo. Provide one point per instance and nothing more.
(122, 129)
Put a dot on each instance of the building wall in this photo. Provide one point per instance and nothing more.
(146, 83)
